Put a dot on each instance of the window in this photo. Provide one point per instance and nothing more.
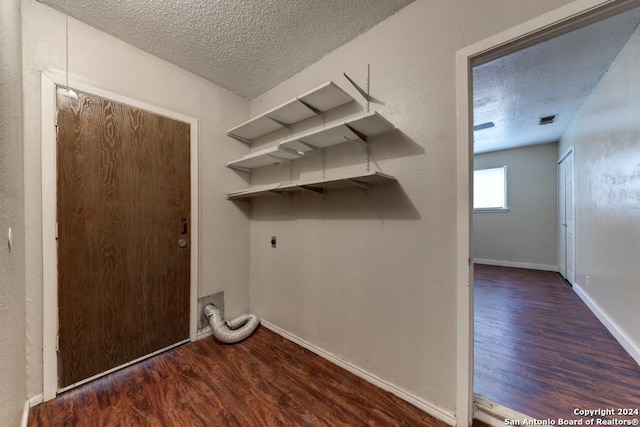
(490, 189)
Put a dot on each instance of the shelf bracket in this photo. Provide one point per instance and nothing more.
(358, 142)
(239, 168)
(288, 150)
(360, 184)
(280, 122)
(310, 107)
(279, 159)
(360, 135)
(241, 139)
(311, 146)
(363, 142)
(239, 199)
(284, 194)
(315, 190)
(358, 88)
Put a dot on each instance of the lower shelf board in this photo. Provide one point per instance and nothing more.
(359, 180)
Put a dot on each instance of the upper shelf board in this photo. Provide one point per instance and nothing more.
(358, 128)
(269, 156)
(317, 101)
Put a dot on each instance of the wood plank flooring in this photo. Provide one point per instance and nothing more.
(539, 349)
(264, 381)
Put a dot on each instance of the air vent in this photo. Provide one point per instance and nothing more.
(547, 120)
(485, 125)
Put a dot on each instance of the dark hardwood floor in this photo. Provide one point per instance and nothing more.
(264, 381)
(540, 351)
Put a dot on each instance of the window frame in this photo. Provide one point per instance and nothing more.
(505, 204)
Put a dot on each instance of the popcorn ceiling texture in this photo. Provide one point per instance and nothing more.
(245, 46)
(553, 77)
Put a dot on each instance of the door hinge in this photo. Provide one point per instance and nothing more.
(56, 231)
(58, 343)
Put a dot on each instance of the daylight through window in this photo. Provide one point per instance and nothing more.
(490, 189)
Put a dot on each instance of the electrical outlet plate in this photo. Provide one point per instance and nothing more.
(216, 299)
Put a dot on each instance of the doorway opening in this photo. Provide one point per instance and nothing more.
(533, 34)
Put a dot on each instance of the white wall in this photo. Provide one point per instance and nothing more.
(525, 235)
(369, 279)
(108, 64)
(13, 392)
(372, 279)
(606, 136)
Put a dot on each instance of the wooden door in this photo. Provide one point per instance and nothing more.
(123, 195)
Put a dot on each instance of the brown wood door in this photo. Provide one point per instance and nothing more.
(123, 195)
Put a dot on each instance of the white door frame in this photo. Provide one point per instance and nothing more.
(561, 218)
(562, 20)
(49, 80)
(568, 268)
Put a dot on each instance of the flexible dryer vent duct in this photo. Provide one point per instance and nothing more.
(232, 331)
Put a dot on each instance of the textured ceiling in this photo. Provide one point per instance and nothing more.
(246, 46)
(554, 77)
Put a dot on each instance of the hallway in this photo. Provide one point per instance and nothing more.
(540, 351)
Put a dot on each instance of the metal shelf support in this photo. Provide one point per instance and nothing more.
(364, 93)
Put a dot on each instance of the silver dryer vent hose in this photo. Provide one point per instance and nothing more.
(232, 331)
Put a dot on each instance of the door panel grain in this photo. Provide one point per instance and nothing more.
(123, 189)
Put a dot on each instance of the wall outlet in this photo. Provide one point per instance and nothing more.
(216, 299)
(273, 241)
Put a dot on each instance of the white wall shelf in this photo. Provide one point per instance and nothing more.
(355, 129)
(317, 101)
(319, 186)
(266, 157)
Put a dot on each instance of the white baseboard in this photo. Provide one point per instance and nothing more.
(25, 414)
(609, 323)
(28, 404)
(531, 266)
(495, 414)
(427, 407)
(36, 400)
(204, 333)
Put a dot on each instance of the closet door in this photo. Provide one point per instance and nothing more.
(566, 218)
